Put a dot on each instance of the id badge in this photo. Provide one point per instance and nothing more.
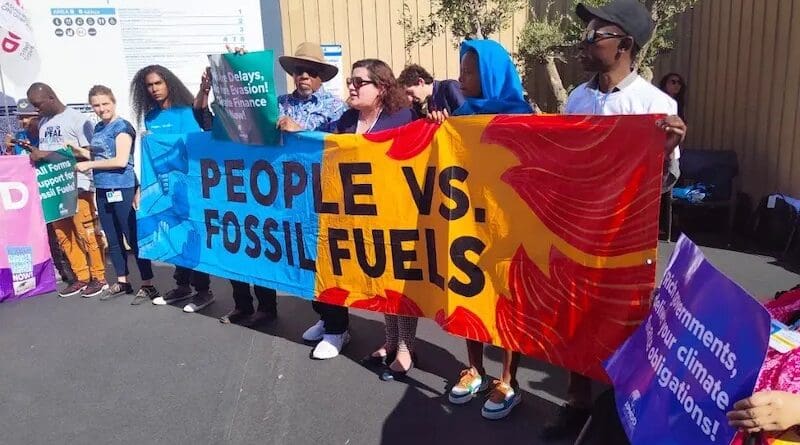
(114, 196)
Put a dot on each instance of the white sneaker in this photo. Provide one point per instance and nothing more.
(315, 333)
(330, 346)
(200, 301)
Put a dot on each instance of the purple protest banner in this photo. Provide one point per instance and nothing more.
(699, 351)
(25, 265)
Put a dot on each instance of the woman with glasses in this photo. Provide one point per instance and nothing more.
(674, 85)
(377, 102)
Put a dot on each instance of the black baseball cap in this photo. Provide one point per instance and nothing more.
(630, 15)
(25, 108)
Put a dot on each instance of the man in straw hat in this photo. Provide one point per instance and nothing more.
(309, 106)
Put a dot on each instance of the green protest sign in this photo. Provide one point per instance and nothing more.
(246, 105)
(57, 185)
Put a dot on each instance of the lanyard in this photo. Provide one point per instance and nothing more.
(373, 124)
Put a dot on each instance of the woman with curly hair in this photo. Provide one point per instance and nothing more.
(165, 103)
(156, 89)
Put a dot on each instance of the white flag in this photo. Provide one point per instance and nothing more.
(19, 59)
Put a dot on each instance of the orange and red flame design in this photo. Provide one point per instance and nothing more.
(575, 283)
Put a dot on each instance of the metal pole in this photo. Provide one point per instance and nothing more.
(5, 106)
(5, 96)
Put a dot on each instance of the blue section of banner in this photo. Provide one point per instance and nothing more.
(698, 353)
(232, 210)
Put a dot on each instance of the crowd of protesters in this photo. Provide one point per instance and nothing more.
(377, 100)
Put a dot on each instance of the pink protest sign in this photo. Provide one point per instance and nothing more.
(26, 268)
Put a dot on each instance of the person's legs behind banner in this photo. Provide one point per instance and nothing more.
(330, 330)
(203, 297)
(182, 290)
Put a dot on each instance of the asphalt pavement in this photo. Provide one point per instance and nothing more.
(84, 371)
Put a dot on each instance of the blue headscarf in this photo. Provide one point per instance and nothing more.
(500, 84)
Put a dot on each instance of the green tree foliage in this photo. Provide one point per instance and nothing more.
(465, 19)
(551, 36)
(548, 37)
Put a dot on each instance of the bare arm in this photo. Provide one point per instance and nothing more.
(124, 142)
(80, 152)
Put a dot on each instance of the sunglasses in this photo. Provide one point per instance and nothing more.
(592, 36)
(300, 70)
(358, 82)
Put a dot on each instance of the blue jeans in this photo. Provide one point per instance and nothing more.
(118, 219)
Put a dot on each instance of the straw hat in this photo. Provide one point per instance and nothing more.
(309, 55)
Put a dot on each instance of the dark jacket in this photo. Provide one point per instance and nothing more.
(446, 96)
(349, 120)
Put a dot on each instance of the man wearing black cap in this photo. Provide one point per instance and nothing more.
(614, 34)
(28, 118)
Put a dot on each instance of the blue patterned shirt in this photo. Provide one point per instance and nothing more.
(313, 113)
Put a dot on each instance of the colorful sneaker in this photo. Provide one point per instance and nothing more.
(501, 401)
(315, 333)
(201, 300)
(180, 293)
(330, 346)
(146, 293)
(94, 288)
(115, 290)
(73, 289)
(470, 383)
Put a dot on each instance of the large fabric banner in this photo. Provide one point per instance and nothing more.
(698, 353)
(246, 105)
(57, 185)
(25, 265)
(535, 233)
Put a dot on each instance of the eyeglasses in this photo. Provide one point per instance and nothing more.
(358, 82)
(300, 70)
(592, 36)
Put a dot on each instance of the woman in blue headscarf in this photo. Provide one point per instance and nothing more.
(491, 85)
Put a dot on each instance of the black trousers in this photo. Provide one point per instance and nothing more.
(336, 318)
(185, 277)
(60, 260)
(267, 298)
(605, 427)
